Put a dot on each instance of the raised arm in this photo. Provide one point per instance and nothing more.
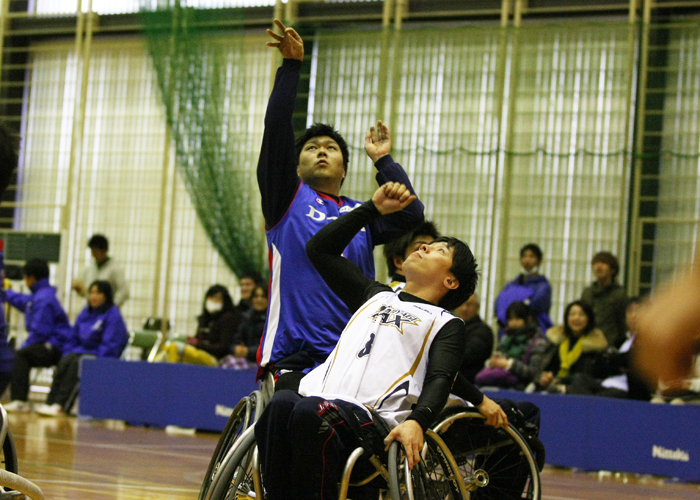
(378, 148)
(277, 175)
(325, 248)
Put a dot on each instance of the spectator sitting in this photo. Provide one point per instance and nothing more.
(99, 331)
(246, 284)
(47, 326)
(573, 347)
(103, 268)
(607, 297)
(244, 349)
(529, 287)
(217, 326)
(398, 250)
(613, 367)
(520, 353)
(479, 338)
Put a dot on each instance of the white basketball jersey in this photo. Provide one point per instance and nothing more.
(381, 358)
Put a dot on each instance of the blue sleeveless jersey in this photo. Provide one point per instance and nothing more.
(303, 313)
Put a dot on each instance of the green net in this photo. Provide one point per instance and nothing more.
(203, 86)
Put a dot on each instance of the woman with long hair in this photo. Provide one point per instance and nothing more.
(99, 331)
(216, 328)
(573, 347)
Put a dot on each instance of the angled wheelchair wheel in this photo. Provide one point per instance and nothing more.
(494, 463)
(9, 454)
(245, 414)
(239, 477)
(436, 476)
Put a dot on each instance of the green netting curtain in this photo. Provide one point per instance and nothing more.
(203, 86)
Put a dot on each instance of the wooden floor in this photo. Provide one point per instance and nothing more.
(71, 459)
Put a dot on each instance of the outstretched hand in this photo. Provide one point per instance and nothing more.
(392, 197)
(378, 141)
(290, 44)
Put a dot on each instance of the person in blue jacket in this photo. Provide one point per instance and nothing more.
(8, 163)
(529, 287)
(99, 331)
(47, 326)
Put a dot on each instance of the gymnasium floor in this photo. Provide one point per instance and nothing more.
(71, 459)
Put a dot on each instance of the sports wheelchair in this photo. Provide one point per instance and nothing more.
(462, 459)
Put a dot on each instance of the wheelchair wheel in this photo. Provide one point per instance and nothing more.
(494, 463)
(246, 413)
(239, 477)
(9, 454)
(436, 476)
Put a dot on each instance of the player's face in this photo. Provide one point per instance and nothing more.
(434, 259)
(321, 162)
(419, 240)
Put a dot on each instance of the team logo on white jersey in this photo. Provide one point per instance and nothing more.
(390, 316)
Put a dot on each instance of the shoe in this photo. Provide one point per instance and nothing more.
(53, 410)
(18, 406)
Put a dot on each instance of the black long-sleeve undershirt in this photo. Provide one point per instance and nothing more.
(347, 281)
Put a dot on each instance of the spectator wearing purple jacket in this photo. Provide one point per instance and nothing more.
(47, 325)
(529, 287)
(99, 331)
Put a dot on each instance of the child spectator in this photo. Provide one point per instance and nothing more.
(245, 344)
(99, 331)
(519, 356)
(573, 347)
(48, 328)
(217, 326)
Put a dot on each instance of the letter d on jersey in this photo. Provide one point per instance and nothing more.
(315, 214)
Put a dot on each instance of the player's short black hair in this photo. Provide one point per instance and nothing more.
(319, 130)
(464, 269)
(8, 157)
(534, 248)
(398, 247)
(99, 242)
(37, 269)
